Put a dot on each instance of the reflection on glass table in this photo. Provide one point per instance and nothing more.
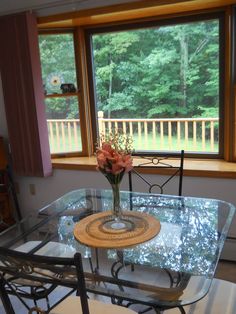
(174, 268)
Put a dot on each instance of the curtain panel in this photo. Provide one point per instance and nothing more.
(23, 95)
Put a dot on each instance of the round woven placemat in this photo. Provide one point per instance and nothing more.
(93, 230)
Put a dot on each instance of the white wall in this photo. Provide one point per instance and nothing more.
(63, 181)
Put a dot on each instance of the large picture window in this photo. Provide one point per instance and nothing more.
(161, 83)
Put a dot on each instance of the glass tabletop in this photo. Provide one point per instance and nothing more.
(173, 269)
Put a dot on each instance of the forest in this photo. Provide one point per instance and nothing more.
(168, 71)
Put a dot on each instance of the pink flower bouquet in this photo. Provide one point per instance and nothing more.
(114, 156)
(114, 160)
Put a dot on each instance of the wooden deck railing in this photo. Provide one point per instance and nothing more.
(64, 135)
(193, 134)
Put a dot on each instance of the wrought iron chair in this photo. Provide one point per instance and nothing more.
(34, 290)
(67, 272)
(171, 163)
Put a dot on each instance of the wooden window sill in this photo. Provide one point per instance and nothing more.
(215, 168)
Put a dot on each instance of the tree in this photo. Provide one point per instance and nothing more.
(58, 61)
(158, 72)
(167, 71)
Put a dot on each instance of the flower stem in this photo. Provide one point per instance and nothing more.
(116, 199)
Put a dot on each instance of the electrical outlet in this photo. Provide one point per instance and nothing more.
(32, 189)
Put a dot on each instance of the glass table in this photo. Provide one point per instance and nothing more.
(173, 269)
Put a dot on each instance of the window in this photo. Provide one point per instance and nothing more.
(161, 82)
(61, 92)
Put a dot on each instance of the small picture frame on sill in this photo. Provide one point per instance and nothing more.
(68, 88)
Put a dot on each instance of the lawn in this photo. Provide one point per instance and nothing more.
(73, 144)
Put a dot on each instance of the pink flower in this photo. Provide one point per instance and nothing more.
(116, 168)
(112, 160)
(107, 147)
(102, 161)
(128, 162)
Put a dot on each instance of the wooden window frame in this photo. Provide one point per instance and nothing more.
(80, 93)
(220, 15)
(228, 131)
(232, 89)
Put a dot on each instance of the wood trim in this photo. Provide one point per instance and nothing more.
(56, 31)
(81, 94)
(234, 124)
(79, 75)
(128, 11)
(61, 95)
(90, 88)
(233, 81)
(82, 76)
(149, 23)
(227, 115)
(106, 10)
(192, 167)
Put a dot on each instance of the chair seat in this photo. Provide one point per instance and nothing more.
(220, 299)
(72, 305)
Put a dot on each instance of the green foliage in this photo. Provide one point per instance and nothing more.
(62, 108)
(209, 112)
(158, 72)
(166, 71)
(58, 60)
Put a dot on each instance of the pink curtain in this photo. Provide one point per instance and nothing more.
(23, 95)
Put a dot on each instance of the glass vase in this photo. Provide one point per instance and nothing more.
(116, 209)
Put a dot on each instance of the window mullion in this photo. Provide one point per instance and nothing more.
(81, 68)
(233, 84)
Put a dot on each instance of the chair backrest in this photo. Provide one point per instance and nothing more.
(170, 164)
(45, 270)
